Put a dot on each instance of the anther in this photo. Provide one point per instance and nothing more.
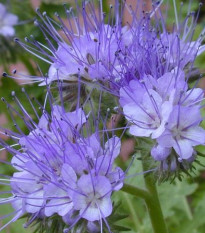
(36, 23)
(26, 39)
(116, 108)
(16, 40)
(180, 159)
(4, 74)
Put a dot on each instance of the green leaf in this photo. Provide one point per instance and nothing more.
(52, 8)
(173, 196)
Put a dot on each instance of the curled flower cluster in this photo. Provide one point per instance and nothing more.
(60, 171)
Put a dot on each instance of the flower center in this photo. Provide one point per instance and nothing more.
(155, 122)
(177, 133)
(92, 198)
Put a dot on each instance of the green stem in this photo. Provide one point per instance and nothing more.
(106, 7)
(155, 213)
(133, 190)
(153, 204)
(152, 201)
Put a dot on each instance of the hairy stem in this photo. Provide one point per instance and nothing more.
(153, 203)
(133, 190)
(155, 212)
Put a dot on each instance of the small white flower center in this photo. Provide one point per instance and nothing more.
(93, 198)
(156, 122)
(177, 133)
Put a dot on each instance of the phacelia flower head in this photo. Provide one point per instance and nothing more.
(179, 47)
(84, 45)
(63, 168)
(167, 111)
(154, 49)
(95, 47)
(7, 22)
(156, 98)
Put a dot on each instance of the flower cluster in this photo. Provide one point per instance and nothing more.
(98, 48)
(60, 171)
(157, 101)
(65, 165)
(85, 47)
(165, 110)
(7, 21)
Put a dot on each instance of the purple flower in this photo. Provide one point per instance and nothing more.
(86, 50)
(59, 198)
(94, 203)
(166, 110)
(27, 187)
(156, 52)
(64, 169)
(160, 153)
(109, 53)
(65, 166)
(148, 103)
(7, 21)
(179, 51)
(183, 131)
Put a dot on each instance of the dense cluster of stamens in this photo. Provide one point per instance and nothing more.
(158, 102)
(62, 167)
